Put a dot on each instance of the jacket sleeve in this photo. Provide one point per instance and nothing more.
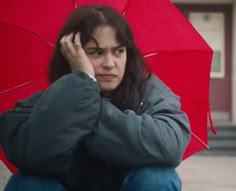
(41, 136)
(158, 136)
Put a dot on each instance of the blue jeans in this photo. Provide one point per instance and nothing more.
(143, 179)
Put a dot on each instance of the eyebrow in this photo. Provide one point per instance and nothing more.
(113, 48)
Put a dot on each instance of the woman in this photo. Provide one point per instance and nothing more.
(103, 123)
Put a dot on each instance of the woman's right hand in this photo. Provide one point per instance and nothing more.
(75, 54)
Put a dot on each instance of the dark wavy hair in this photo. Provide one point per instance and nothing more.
(85, 19)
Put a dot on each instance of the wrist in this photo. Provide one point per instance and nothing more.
(86, 71)
(93, 78)
(90, 74)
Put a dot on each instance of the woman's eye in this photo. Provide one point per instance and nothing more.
(98, 52)
(119, 51)
(95, 52)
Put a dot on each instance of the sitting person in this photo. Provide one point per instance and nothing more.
(104, 123)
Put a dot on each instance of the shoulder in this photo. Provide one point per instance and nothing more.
(159, 97)
(157, 88)
(29, 101)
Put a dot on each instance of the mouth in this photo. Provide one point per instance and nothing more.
(106, 77)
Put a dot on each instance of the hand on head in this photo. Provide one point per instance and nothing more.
(75, 55)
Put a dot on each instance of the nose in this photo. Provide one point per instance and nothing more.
(109, 61)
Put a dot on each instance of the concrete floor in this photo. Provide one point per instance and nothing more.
(4, 175)
(208, 173)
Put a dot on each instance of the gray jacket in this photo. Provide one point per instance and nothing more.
(42, 133)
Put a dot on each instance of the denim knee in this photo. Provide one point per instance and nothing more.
(152, 179)
(20, 182)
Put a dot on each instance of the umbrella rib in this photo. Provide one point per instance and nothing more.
(123, 13)
(200, 140)
(150, 54)
(32, 32)
(74, 3)
(125, 8)
(19, 86)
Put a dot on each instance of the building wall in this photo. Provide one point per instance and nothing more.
(233, 86)
(234, 65)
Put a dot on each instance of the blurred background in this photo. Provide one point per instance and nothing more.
(215, 20)
(212, 169)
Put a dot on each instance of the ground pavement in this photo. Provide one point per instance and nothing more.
(198, 173)
(208, 173)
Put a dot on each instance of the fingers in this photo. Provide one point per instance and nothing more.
(77, 39)
(77, 45)
(74, 54)
(67, 46)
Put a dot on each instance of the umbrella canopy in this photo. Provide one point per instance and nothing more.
(171, 46)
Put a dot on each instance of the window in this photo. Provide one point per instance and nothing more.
(211, 27)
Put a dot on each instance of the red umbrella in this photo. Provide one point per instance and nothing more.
(171, 46)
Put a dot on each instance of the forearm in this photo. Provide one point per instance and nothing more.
(128, 139)
(47, 137)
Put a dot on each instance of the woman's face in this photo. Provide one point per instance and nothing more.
(108, 59)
